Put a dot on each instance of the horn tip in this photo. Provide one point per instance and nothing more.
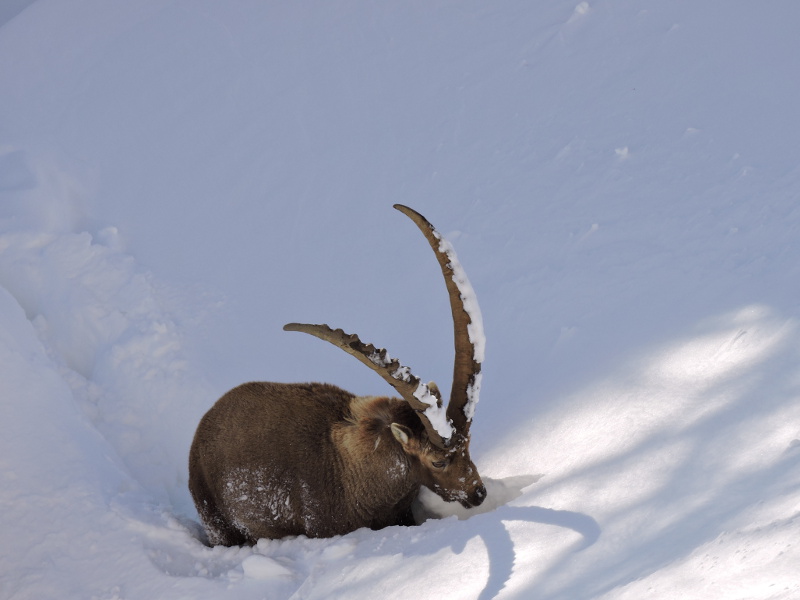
(406, 210)
(412, 214)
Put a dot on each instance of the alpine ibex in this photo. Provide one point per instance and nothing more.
(271, 460)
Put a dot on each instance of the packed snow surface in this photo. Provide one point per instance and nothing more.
(179, 178)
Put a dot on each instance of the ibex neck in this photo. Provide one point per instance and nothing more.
(369, 453)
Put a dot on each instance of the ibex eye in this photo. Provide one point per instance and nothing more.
(439, 464)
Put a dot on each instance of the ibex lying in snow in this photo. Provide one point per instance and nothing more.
(270, 460)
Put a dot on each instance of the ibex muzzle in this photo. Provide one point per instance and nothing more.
(270, 460)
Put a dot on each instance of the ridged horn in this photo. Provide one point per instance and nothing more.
(424, 400)
(468, 335)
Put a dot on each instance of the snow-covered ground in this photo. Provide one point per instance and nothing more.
(620, 178)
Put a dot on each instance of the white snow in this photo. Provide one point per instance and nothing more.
(436, 414)
(263, 567)
(179, 179)
(381, 358)
(468, 298)
(473, 396)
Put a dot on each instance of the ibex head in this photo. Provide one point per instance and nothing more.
(440, 449)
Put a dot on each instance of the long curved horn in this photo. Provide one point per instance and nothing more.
(425, 400)
(468, 334)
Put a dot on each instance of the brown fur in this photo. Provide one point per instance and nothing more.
(271, 460)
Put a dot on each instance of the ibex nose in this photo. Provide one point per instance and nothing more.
(479, 495)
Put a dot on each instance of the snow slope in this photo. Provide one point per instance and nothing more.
(620, 178)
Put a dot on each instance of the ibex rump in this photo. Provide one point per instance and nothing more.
(271, 460)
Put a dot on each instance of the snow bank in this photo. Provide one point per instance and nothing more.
(103, 325)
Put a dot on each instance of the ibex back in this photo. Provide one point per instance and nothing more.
(271, 460)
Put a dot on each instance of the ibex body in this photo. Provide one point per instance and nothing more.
(270, 460)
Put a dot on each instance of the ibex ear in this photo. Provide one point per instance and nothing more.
(401, 433)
